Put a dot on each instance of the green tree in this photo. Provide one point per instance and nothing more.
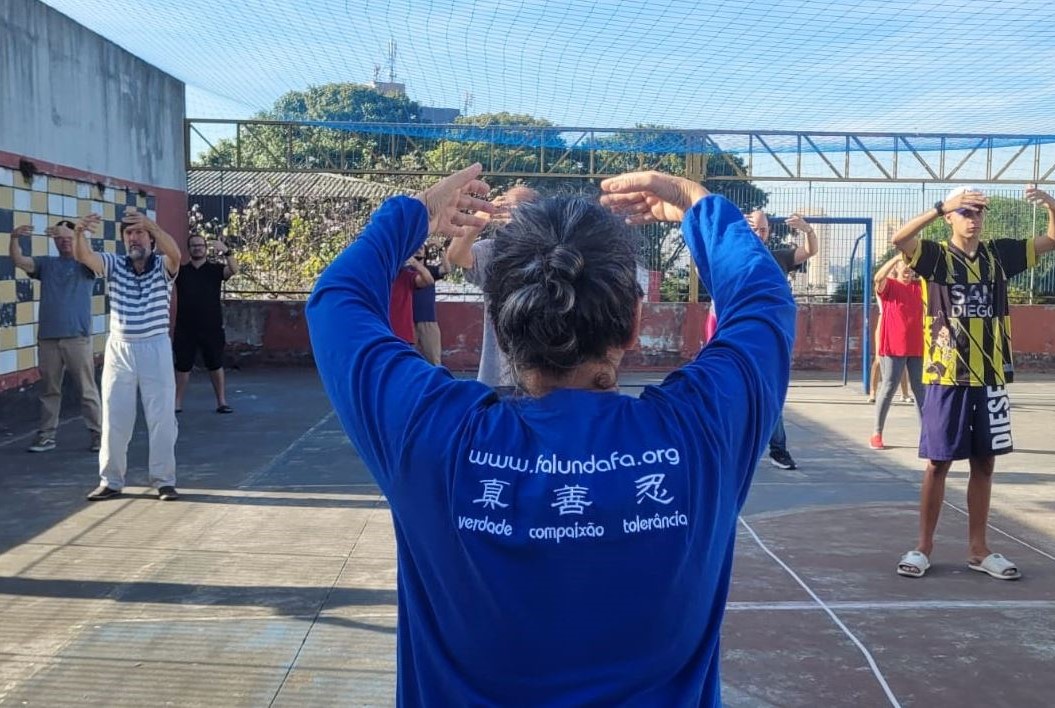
(347, 102)
(277, 146)
(657, 147)
(502, 147)
(1005, 217)
(1008, 217)
(284, 243)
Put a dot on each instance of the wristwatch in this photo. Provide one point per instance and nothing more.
(938, 208)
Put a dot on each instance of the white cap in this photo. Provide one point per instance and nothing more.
(961, 190)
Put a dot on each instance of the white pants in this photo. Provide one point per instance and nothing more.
(145, 365)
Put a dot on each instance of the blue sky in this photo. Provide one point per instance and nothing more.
(869, 65)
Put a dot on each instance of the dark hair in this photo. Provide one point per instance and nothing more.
(67, 223)
(562, 284)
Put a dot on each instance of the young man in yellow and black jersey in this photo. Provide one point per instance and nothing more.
(966, 360)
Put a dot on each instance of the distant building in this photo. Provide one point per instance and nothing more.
(389, 88)
(429, 114)
(883, 238)
(438, 115)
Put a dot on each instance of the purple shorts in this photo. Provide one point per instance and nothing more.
(960, 422)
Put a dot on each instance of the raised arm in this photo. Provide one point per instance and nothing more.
(230, 267)
(445, 264)
(810, 248)
(905, 239)
(422, 277)
(881, 276)
(735, 387)
(163, 242)
(82, 248)
(14, 249)
(1044, 243)
(378, 385)
(460, 252)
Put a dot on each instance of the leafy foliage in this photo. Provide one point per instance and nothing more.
(285, 243)
(1012, 218)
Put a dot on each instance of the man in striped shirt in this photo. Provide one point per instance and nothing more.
(966, 361)
(138, 351)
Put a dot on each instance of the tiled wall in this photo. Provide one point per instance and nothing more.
(42, 202)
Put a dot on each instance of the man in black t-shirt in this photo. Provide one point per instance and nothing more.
(788, 258)
(199, 318)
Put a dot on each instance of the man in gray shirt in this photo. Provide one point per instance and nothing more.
(788, 258)
(475, 258)
(64, 334)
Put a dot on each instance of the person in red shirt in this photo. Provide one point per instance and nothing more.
(412, 275)
(900, 339)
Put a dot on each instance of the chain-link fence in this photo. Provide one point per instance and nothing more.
(284, 242)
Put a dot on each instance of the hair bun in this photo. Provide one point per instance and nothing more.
(561, 267)
(563, 263)
(561, 286)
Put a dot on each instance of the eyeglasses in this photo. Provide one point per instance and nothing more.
(971, 212)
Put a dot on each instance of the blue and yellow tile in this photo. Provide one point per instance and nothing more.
(24, 313)
(40, 245)
(8, 339)
(27, 358)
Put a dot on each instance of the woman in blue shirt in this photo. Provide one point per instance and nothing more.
(570, 545)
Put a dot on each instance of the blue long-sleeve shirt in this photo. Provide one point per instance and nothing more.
(573, 549)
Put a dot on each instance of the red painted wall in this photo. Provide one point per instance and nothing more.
(671, 333)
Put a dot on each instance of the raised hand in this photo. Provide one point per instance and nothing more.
(453, 203)
(136, 218)
(650, 197)
(89, 222)
(219, 247)
(14, 245)
(1039, 197)
(971, 201)
(796, 222)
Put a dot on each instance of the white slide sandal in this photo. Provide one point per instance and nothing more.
(913, 564)
(997, 566)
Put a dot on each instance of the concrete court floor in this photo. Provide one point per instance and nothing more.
(272, 581)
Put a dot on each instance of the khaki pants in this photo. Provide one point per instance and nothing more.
(57, 357)
(143, 365)
(427, 335)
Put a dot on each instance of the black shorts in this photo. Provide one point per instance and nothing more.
(960, 422)
(187, 342)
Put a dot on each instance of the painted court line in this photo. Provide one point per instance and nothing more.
(835, 618)
(895, 606)
(1001, 531)
(33, 433)
(262, 472)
